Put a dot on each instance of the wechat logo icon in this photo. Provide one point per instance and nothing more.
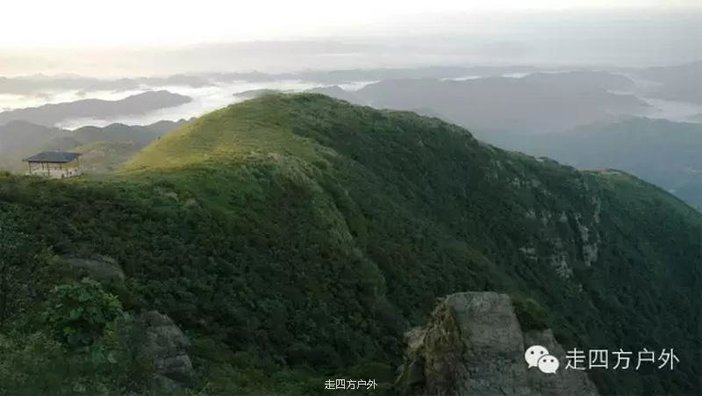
(538, 356)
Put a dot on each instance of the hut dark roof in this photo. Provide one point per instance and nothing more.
(59, 157)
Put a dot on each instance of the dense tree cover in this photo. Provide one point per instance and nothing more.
(295, 238)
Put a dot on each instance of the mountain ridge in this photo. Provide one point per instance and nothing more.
(360, 219)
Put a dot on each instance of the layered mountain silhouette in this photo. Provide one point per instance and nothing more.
(536, 103)
(51, 114)
(678, 83)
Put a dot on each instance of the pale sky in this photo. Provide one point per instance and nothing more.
(28, 24)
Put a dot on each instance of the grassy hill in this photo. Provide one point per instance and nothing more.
(296, 237)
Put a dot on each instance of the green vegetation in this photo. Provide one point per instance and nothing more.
(79, 313)
(295, 238)
(531, 315)
(103, 157)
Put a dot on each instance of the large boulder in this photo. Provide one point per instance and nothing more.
(166, 345)
(474, 345)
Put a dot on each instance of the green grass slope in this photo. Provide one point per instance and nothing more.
(296, 237)
(102, 157)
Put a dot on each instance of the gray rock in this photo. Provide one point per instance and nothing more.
(473, 345)
(563, 382)
(167, 345)
(100, 268)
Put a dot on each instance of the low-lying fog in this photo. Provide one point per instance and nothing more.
(220, 94)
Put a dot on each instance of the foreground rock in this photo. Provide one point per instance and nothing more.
(473, 345)
(564, 382)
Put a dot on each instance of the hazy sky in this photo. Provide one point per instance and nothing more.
(158, 37)
(70, 23)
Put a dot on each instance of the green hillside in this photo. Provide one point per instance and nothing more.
(296, 237)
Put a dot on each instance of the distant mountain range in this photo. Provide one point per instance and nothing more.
(537, 103)
(37, 84)
(28, 85)
(677, 82)
(51, 114)
(680, 83)
(355, 75)
(103, 149)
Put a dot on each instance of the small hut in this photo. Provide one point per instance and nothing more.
(54, 164)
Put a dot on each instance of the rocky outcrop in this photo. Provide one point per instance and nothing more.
(151, 335)
(100, 268)
(166, 345)
(474, 345)
(564, 382)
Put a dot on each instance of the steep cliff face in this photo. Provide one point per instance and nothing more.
(474, 345)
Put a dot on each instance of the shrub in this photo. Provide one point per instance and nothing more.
(531, 315)
(78, 313)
